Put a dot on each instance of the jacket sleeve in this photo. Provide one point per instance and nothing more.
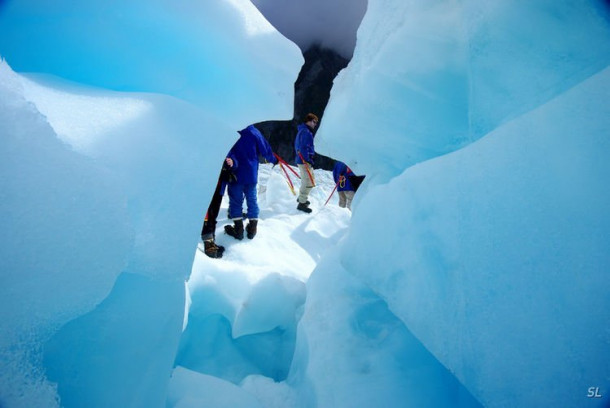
(264, 149)
(298, 146)
(312, 151)
(308, 151)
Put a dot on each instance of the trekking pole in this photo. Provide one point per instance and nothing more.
(290, 185)
(280, 160)
(308, 171)
(332, 192)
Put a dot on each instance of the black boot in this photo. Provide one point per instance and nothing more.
(237, 230)
(251, 228)
(304, 207)
(212, 250)
(214, 239)
(306, 202)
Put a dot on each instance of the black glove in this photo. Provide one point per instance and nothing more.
(228, 176)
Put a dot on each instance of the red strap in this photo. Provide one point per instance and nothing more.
(307, 168)
(279, 159)
(331, 193)
(287, 178)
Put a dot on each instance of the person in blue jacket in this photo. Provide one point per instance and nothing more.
(304, 149)
(343, 176)
(245, 153)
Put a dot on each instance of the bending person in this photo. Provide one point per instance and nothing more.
(342, 176)
(246, 151)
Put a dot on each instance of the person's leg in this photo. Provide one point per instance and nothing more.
(209, 224)
(236, 200)
(253, 210)
(349, 196)
(208, 231)
(342, 199)
(251, 200)
(306, 184)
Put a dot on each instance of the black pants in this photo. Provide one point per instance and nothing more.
(209, 224)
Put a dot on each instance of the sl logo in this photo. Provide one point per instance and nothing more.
(593, 392)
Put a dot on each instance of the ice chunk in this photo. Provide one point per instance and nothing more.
(352, 351)
(189, 389)
(126, 344)
(430, 77)
(222, 56)
(496, 262)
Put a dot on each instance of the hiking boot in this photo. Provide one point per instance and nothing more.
(306, 202)
(251, 228)
(236, 230)
(212, 250)
(303, 207)
(206, 237)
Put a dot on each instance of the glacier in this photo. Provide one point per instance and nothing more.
(95, 230)
(469, 274)
(505, 252)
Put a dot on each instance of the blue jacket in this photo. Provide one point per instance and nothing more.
(341, 174)
(304, 143)
(245, 153)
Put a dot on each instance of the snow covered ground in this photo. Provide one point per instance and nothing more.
(289, 242)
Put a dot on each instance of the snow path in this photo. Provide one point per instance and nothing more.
(288, 242)
(243, 309)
